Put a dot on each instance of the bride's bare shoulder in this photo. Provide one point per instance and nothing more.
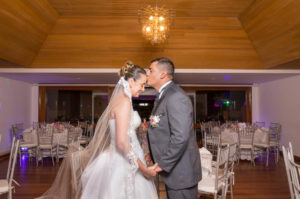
(120, 103)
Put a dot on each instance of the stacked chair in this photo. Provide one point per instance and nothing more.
(28, 148)
(212, 142)
(7, 185)
(275, 131)
(292, 171)
(216, 184)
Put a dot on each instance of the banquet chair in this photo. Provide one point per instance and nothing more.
(15, 132)
(260, 148)
(28, 148)
(275, 130)
(231, 161)
(35, 125)
(216, 184)
(6, 185)
(20, 127)
(287, 167)
(73, 136)
(259, 124)
(294, 169)
(212, 142)
(84, 139)
(90, 131)
(45, 143)
(245, 141)
(84, 126)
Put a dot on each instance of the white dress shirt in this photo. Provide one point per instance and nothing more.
(161, 88)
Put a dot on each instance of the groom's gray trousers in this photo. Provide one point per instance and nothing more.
(188, 193)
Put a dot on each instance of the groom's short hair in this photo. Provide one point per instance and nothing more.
(165, 64)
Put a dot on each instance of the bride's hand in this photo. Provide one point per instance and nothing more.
(150, 171)
(147, 158)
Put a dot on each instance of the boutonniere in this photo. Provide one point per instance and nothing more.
(154, 120)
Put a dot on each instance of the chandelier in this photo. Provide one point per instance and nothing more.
(156, 23)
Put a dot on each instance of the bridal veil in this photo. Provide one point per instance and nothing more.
(68, 184)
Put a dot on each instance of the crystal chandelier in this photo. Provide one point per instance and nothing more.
(156, 23)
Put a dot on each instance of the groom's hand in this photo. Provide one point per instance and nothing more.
(151, 171)
(158, 169)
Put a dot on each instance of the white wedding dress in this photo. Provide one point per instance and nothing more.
(113, 176)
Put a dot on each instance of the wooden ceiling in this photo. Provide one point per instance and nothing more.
(184, 8)
(24, 26)
(229, 34)
(102, 42)
(274, 29)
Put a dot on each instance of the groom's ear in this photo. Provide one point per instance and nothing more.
(163, 74)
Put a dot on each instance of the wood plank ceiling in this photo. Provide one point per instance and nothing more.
(274, 28)
(24, 25)
(184, 8)
(104, 34)
(101, 34)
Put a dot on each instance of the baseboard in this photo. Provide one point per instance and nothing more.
(297, 159)
(4, 156)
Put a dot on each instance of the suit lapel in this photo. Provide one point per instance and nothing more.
(155, 105)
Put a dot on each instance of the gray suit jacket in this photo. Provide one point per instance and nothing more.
(173, 143)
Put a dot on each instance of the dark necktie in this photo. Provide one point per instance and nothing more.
(157, 99)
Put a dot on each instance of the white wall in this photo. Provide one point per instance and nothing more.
(16, 105)
(279, 101)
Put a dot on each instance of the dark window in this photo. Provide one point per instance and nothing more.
(227, 105)
(68, 105)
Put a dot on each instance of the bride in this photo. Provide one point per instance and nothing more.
(112, 166)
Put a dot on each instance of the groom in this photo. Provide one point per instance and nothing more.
(171, 137)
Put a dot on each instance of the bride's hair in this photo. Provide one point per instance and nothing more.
(129, 70)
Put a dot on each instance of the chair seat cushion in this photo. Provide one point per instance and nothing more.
(27, 145)
(64, 145)
(245, 146)
(46, 146)
(207, 185)
(272, 143)
(3, 186)
(221, 172)
(261, 145)
(83, 141)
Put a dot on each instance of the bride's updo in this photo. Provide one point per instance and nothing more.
(129, 70)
